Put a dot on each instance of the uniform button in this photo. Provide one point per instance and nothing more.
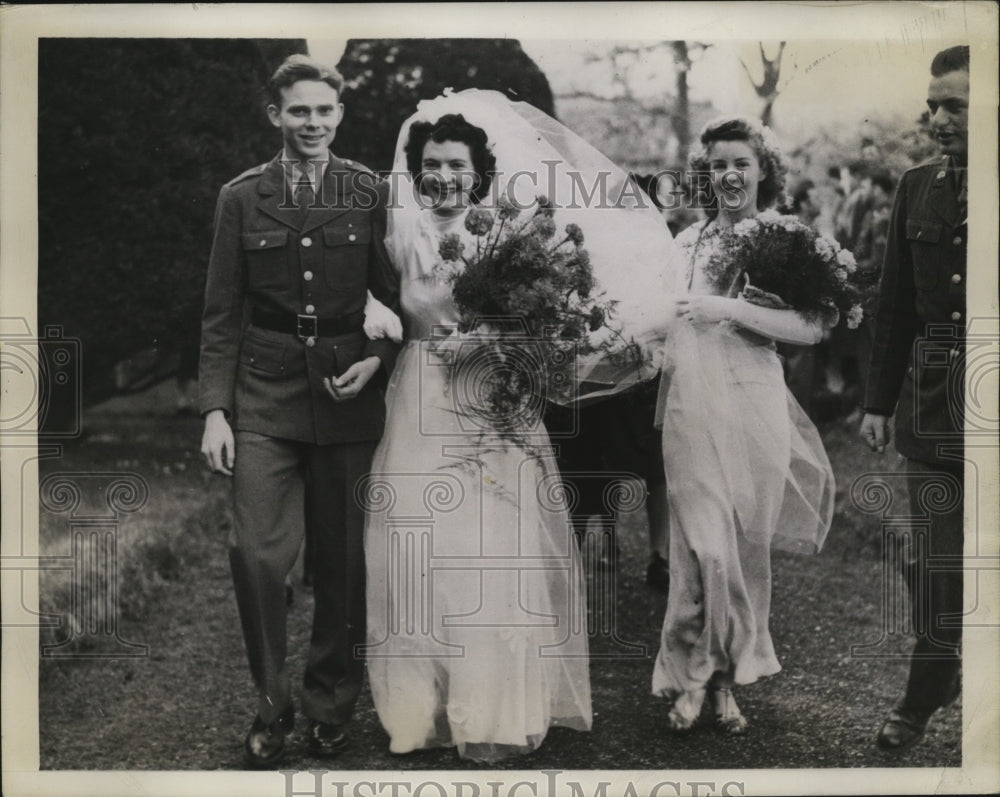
(352, 237)
(941, 175)
(957, 240)
(956, 316)
(307, 242)
(956, 278)
(307, 276)
(310, 342)
(310, 309)
(262, 242)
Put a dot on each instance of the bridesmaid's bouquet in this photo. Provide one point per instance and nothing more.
(779, 261)
(526, 297)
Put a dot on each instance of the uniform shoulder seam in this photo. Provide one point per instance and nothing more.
(937, 162)
(358, 167)
(255, 171)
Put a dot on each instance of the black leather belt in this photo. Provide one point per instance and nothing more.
(308, 326)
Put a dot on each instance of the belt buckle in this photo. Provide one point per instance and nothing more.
(305, 326)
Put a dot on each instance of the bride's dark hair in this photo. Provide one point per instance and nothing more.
(761, 139)
(453, 127)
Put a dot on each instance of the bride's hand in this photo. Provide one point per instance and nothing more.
(381, 322)
(457, 345)
(483, 332)
(705, 309)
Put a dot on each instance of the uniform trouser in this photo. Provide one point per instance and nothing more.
(269, 519)
(932, 570)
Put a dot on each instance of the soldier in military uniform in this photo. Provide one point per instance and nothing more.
(290, 388)
(917, 370)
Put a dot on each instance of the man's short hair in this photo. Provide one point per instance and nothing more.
(954, 59)
(301, 67)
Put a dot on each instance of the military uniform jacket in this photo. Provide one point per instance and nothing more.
(917, 364)
(269, 254)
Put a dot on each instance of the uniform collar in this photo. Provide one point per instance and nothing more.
(298, 173)
(274, 188)
(276, 171)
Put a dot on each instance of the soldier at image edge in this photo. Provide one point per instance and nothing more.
(917, 371)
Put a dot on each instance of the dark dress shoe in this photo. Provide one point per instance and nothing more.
(902, 729)
(658, 574)
(326, 739)
(265, 743)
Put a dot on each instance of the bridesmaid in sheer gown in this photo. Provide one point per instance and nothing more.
(745, 467)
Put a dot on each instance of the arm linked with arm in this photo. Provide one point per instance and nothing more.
(383, 279)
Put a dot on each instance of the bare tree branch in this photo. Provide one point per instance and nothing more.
(659, 109)
(588, 95)
(767, 89)
(749, 76)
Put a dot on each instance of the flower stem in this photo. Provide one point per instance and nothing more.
(629, 344)
(496, 238)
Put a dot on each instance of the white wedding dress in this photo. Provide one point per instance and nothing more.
(746, 471)
(476, 621)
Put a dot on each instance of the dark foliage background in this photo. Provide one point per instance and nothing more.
(135, 138)
(386, 78)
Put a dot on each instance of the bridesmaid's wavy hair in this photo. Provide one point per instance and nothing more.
(761, 139)
(453, 127)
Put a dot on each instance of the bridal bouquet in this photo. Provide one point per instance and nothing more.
(525, 294)
(778, 261)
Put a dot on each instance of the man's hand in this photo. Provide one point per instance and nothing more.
(217, 444)
(875, 431)
(353, 380)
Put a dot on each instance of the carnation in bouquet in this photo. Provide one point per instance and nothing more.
(526, 297)
(779, 261)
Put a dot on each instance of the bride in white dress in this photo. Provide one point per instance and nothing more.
(477, 634)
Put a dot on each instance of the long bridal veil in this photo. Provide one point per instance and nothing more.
(632, 253)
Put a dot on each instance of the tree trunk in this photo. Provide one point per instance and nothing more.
(766, 113)
(681, 117)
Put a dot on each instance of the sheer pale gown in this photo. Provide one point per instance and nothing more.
(476, 620)
(745, 469)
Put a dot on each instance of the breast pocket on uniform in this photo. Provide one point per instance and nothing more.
(924, 238)
(267, 263)
(346, 256)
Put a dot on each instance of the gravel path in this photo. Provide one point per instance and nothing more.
(188, 704)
